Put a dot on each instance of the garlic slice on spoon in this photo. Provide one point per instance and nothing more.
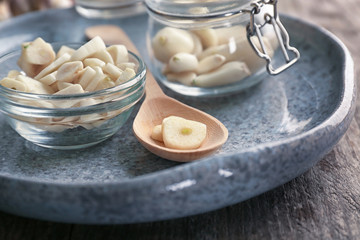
(157, 106)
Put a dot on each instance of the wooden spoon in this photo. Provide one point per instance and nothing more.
(157, 106)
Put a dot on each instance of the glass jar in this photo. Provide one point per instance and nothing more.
(213, 48)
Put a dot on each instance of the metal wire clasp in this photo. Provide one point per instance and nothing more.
(254, 32)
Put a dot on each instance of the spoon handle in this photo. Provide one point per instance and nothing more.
(152, 87)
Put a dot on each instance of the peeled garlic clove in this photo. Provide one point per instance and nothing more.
(210, 63)
(228, 73)
(198, 47)
(186, 78)
(230, 33)
(208, 37)
(242, 51)
(183, 62)
(169, 41)
(223, 50)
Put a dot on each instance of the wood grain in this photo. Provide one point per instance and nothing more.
(323, 203)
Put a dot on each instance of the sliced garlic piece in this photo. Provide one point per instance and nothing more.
(13, 73)
(14, 84)
(53, 66)
(125, 65)
(35, 86)
(95, 80)
(94, 62)
(63, 85)
(104, 56)
(35, 56)
(39, 52)
(49, 79)
(126, 75)
(113, 71)
(86, 76)
(119, 53)
(69, 71)
(64, 49)
(106, 82)
(94, 45)
(89, 118)
(156, 133)
(70, 90)
(180, 133)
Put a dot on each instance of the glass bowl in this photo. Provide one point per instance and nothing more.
(36, 119)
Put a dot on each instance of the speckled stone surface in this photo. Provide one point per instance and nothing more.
(277, 130)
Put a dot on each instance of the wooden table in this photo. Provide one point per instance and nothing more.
(323, 203)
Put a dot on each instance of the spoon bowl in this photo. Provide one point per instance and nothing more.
(154, 110)
(157, 106)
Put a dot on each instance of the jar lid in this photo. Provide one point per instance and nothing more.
(196, 8)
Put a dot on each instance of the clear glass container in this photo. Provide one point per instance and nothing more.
(70, 126)
(213, 48)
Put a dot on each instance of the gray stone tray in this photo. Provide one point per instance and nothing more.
(277, 131)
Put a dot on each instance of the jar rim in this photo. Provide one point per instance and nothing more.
(211, 9)
(200, 21)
